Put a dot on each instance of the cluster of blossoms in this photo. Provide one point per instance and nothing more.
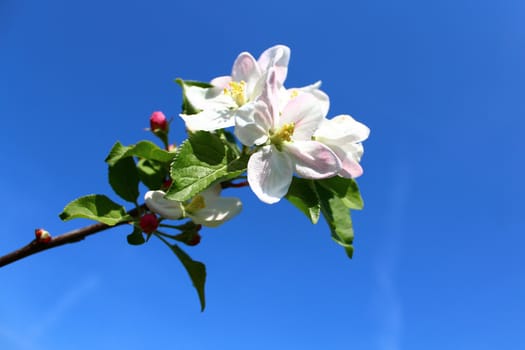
(244, 129)
(288, 127)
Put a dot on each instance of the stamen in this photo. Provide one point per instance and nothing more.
(196, 203)
(236, 91)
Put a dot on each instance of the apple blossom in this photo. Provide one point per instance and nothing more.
(286, 139)
(343, 135)
(219, 105)
(207, 208)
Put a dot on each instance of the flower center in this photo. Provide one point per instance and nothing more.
(236, 91)
(284, 134)
(196, 204)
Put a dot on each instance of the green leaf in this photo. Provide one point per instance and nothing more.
(187, 107)
(302, 194)
(151, 173)
(136, 237)
(195, 269)
(201, 160)
(345, 189)
(337, 215)
(96, 207)
(124, 179)
(143, 149)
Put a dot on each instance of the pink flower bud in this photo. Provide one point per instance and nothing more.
(42, 235)
(158, 122)
(149, 223)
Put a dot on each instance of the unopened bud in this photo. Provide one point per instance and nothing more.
(149, 223)
(42, 235)
(166, 184)
(158, 122)
(194, 240)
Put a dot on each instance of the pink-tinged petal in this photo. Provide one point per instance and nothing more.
(271, 94)
(217, 210)
(209, 120)
(342, 129)
(166, 208)
(252, 122)
(279, 57)
(351, 169)
(221, 82)
(306, 113)
(246, 69)
(312, 159)
(350, 155)
(270, 174)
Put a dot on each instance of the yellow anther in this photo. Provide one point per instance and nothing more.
(283, 134)
(286, 132)
(236, 91)
(294, 94)
(196, 203)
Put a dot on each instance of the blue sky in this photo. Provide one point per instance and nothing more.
(438, 250)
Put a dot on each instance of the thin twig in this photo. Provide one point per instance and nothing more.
(73, 236)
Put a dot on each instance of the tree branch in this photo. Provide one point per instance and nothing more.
(73, 236)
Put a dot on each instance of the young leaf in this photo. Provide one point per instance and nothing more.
(136, 237)
(303, 196)
(143, 149)
(345, 189)
(96, 207)
(124, 179)
(195, 269)
(151, 173)
(187, 107)
(201, 160)
(337, 215)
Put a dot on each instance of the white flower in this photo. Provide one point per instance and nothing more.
(219, 105)
(286, 139)
(207, 208)
(343, 135)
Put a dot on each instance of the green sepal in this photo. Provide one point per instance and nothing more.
(187, 107)
(151, 173)
(124, 179)
(196, 270)
(345, 189)
(337, 215)
(302, 194)
(143, 149)
(96, 207)
(136, 237)
(201, 160)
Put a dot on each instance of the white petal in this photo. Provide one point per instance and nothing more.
(166, 208)
(278, 56)
(306, 113)
(342, 129)
(217, 210)
(270, 174)
(312, 159)
(252, 123)
(208, 98)
(209, 120)
(221, 82)
(321, 97)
